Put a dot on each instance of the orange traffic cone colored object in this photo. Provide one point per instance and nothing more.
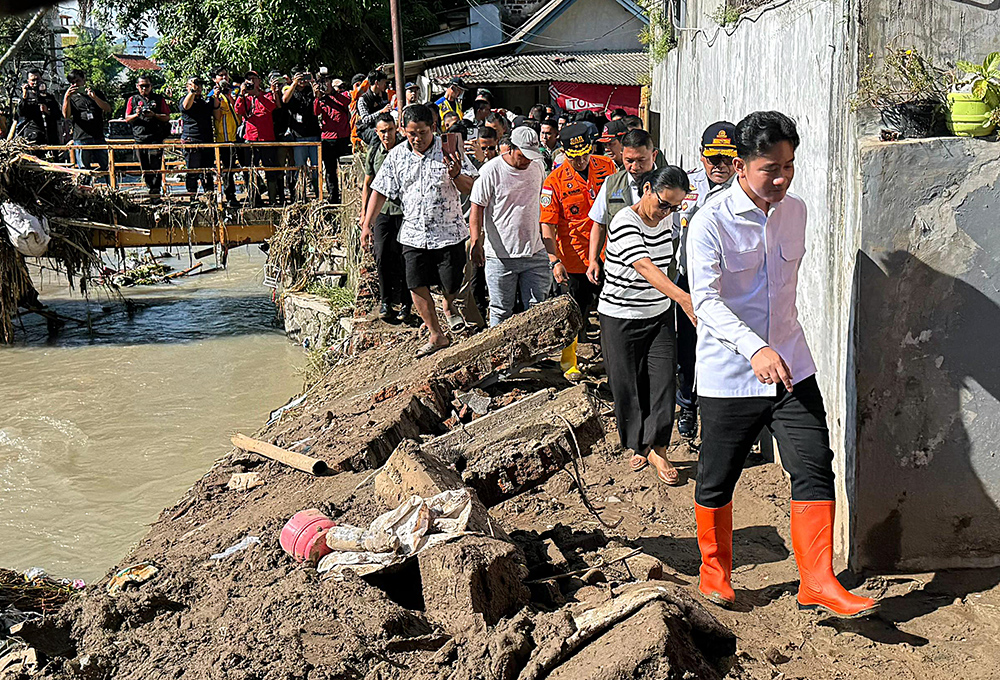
(715, 541)
(812, 541)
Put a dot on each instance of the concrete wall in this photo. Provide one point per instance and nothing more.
(578, 28)
(928, 318)
(484, 30)
(795, 59)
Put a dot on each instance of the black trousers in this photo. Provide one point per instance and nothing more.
(203, 159)
(151, 159)
(639, 359)
(687, 341)
(229, 159)
(585, 293)
(333, 149)
(264, 156)
(730, 426)
(389, 260)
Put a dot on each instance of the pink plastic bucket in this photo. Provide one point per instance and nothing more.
(304, 536)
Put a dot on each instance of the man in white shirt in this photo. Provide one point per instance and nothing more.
(505, 226)
(754, 368)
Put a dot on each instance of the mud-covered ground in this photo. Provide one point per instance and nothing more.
(257, 614)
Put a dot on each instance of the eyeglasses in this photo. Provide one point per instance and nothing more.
(489, 148)
(719, 160)
(144, 86)
(666, 206)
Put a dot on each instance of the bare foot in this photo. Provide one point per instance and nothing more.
(665, 470)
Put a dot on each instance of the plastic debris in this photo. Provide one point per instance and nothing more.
(416, 525)
(26, 232)
(137, 573)
(235, 548)
(244, 481)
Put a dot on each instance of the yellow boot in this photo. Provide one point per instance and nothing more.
(567, 362)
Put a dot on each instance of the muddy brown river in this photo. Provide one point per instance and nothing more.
(101, 429)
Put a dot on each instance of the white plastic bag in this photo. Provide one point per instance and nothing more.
(26, 233)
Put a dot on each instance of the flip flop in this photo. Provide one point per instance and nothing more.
(428, 348)
(455, 323)
(638, 462)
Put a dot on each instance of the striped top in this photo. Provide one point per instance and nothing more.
(626, 294)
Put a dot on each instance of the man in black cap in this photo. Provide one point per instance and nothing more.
(452, 99)
(715, 175)
(612, 140)
(412, 93)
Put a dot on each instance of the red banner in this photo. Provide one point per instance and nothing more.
(597, 98)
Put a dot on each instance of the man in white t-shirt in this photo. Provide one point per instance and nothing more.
(505, 226)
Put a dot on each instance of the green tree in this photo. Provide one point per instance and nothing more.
(35, 50)
(347, 36)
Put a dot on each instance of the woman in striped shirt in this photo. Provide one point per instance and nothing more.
(637, 319)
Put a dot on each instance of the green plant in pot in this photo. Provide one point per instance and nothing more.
(906, 88)
(972, 109)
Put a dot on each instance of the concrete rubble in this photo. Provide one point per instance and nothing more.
(487, 602)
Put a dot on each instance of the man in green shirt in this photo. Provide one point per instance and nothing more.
(388, 252)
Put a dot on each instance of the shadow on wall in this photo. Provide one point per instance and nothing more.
(928, 419)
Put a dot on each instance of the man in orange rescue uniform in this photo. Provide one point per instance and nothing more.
(567, 195)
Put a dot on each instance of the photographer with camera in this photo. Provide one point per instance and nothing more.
(257, 111)
(148, 114)
(86, 107)
(37, 112)
(332, 105)
(226, 126)
(303, 123)
(197, 127)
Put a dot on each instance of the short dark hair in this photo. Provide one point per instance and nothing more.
(458, 129)
(34, 72)
(449, 113)
(77, 74)
(486, 132)
(418, 113)
(214, 73)
(551, 122)
(384, 117)
(498, 118)
(376, 76)
(480, 104)
(144, 77)
(537, 112)
(633, 122)
(618, 112)
(667, 177)
(357, 78)
(504, 141)
(637, 139)
(759, 132)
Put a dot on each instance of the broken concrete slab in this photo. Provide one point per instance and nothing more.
(472, 582)
(413, 472)
(521, 445)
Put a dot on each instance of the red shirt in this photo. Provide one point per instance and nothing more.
(256, 113)
(334, 114)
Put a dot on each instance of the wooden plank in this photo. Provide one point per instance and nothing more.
(204, 235)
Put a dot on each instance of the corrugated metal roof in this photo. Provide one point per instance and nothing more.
(599, 68)
(137, 62)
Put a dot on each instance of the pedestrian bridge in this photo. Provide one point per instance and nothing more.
(179, 217)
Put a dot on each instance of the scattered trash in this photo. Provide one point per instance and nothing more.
(137, 573)
(235, 548)
(26, 232)
(417, 524)
(17, 657)
(11, 617)
(275, 414)
(304, 535)
(34, 591)
(244, 481)
(475, 399)
(298, 461)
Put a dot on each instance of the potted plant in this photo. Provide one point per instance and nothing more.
(906, 88)
(972, 108)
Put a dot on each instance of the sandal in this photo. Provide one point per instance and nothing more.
(428, 349)
(671, 477)
(455, 323)
(638, 462)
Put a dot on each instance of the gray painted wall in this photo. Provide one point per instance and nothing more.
(581, 26)
(897, 292)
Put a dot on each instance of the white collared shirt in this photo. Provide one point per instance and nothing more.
(743, 267)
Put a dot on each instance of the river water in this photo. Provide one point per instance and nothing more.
(102, 429)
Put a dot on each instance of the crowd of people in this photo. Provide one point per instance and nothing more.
(692, 276)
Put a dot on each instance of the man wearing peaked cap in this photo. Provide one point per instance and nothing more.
(714, 176)
(451, 101)
(567, 197)
(612, 140)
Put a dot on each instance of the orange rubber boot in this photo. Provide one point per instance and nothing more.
(715, 541)
(812, 541)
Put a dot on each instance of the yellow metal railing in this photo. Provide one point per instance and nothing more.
(119, 170)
